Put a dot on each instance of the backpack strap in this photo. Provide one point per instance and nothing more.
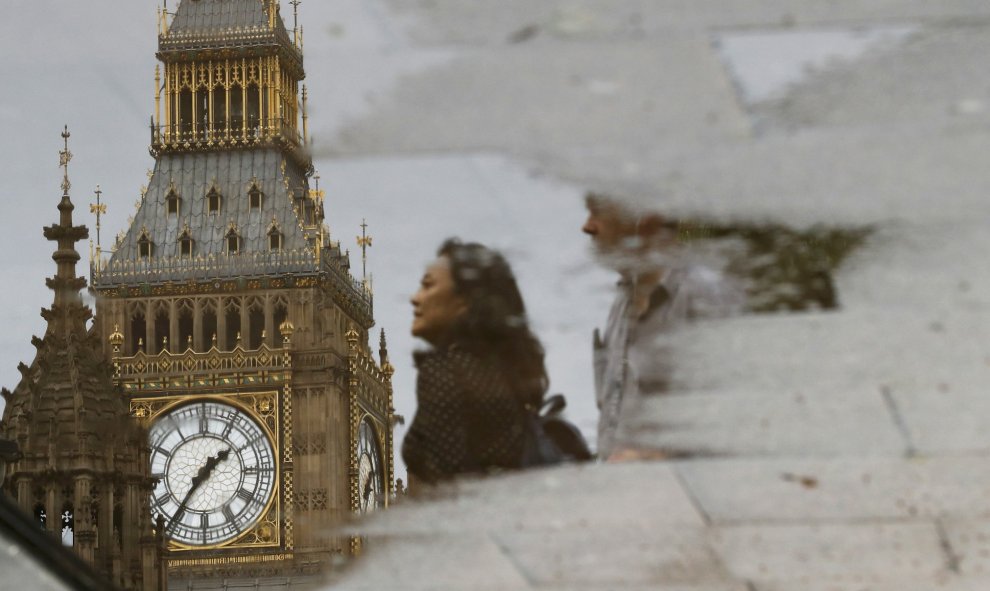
(553, 405)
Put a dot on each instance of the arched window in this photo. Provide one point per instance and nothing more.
(274, 238)
(118, 518)
(185, 244)
(208, 326)
(185, 112)
(232, 318)
(236, 110)
(137, 333)
(213, 199)
(256, 197)
(281, 315)
(202, 113)
(256, 324)
(233, 241)
(41, 515)
(253, 109)
(146, 248)
(185, 326)
(219, 112)
(161, 331)
(68, 524)
(306, 208)
(173, 202)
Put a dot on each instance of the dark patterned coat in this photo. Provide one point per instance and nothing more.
(468, 420)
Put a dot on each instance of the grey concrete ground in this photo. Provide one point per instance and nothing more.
(840, 451)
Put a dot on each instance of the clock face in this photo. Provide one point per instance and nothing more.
(216, 472)
(371, 479)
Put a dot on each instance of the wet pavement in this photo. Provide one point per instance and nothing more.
(833, 451)
(826, 451)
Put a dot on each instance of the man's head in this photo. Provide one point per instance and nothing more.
(622, 234)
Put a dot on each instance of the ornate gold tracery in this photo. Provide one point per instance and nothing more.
(265, 410)
(228, 103)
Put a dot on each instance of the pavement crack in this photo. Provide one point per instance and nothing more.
(504, 549)
(952, 561)
(691, 496)
(895, 413)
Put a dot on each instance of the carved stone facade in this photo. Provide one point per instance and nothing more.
(224, 303)
(83, 473)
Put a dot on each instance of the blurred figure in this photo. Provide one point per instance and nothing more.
(658, 290)
(483, 371)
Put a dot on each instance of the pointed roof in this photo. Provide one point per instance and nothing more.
(190, 179)
(220, 16)
(66, 395)
(228, 25)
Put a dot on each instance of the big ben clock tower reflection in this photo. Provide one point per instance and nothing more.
(235, 329)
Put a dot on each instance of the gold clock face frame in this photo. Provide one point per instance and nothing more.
(371, 476)
(216, 465)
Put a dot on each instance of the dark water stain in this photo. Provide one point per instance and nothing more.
(784, 269)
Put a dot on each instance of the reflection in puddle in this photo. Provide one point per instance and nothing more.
(783, 269)
(766, 64)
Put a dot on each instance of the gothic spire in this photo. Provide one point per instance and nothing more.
(67, 386)
(382, 349)
(67, 314)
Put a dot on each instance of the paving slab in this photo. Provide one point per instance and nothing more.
(810, 424)
(727, 586)
(932, 413)
(768, 64)
(910, 84)
(569, 499)
(941, 582)
(870, 380)
(465, 561)
(793, 556)
(845, 176)
(605, 556)
(847, 490)
(621, 95)
(493, 22)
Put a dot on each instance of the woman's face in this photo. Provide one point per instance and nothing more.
(436, 306)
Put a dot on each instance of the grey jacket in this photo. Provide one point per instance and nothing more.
(627, 357)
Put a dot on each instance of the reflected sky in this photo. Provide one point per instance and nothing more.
(357, 54)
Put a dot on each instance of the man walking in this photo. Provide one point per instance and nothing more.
(658, 290)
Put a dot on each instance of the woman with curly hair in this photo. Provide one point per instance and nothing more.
(483, 372)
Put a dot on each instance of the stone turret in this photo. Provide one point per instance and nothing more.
(84, 472)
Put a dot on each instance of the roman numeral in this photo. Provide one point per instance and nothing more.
(204, 523)
(251, 442)
(163, 452)
(246, 495)
(174, 424)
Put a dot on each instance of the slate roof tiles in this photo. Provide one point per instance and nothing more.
(233, 174)
(211, 16)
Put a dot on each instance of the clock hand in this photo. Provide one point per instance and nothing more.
(207, 470)
(367, 487)
(202, 476)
